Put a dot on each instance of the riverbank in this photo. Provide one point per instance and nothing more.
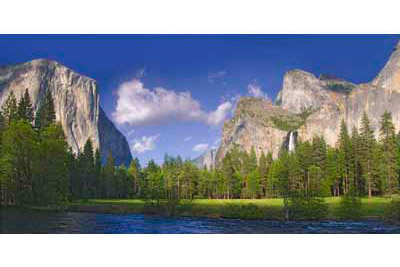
(268, 209)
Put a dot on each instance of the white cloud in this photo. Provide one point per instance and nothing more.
(255, 90)
(216, 76)
(220, 114)
(187, 139)
(137, 105)
(146, 143)
(200, 147)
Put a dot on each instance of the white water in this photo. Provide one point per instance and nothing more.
(291, 142)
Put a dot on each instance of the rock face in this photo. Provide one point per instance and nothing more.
(313, 106)
(207, 160)
(260, 124)
(76, 101)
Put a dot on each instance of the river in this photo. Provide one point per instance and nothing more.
(14, 221)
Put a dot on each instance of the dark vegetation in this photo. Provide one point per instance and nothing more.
(345, 88)
(291, 123)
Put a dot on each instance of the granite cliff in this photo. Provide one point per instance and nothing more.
(308, 105)
(76, 101)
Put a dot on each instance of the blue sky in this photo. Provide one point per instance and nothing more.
(171, 93)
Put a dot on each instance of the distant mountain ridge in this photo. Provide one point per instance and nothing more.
(76, 101)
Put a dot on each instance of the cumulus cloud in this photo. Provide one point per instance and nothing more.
(255, 90)
(146, 143)
(220, 114)
(216, 76)
(200, 147)
(187, 139)
(137, 105)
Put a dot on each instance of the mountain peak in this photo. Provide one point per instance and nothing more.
(389, 76)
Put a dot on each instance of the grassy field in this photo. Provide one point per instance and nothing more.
(371, 208)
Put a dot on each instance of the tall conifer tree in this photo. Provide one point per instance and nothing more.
(367, 140)
(389, 153)
(10, 109)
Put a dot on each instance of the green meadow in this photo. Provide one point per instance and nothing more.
(372, 208)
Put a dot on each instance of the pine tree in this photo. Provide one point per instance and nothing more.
(21, 110)
(315, 184)
(97, 171)
(345, 160)
(254, 189)
(367, 140)
(280, 170)
(231, 179)
(46, 114)
(50, 112)
(252, 163)
(332, 170)
(319, 152)
(109, 172)
(264, 165)
(358, 183)
(249, 167)
(389, 153)
(88, 170)
(10, 109)
(304, 156)
(25, 110)
(155, 182)
(134, 172)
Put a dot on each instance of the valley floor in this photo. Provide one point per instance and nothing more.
(372, 208)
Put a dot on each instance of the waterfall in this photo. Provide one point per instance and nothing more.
(291, 142)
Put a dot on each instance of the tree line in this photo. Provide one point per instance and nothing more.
(38, 168)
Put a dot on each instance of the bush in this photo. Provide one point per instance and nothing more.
(184, 206)
(273, 213)
(392, 211)
(248, 212)
(308, 209)
(169, 207)
(349, 208)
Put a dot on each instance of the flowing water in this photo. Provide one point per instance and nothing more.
(28, 221)
(291, 142)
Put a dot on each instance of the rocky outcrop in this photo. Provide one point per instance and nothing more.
(76, 101)
(313, 106)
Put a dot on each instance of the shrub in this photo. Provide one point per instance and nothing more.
(273, 213)
(392, 211)
(308, 209)
(349, 208)
(248, 212)
(169, 207)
